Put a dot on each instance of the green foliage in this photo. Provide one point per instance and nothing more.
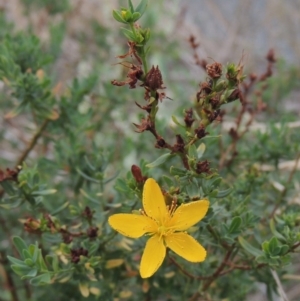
(21, 60)
(52, 6)
(27, 189)
(85, 161)
(32, 265)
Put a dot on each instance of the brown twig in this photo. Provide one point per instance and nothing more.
(33, 142)
(295, 246)
(186, 272)
(31, 145)
(217, 238)
(218, 270)
(8, 278)
(236, 136)
(240, 267)
(194, 45)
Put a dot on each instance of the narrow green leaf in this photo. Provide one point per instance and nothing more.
(35, 253)
(111, 178)
(55, 264)
(52, 260)
(168, 181)
(118, 17)
(29, 262)
(192, 152)
(96, 201)
(224, 193)
(274, 231)
(90, 165)
(262, 259)
(235, 224)
(216, 182)
(148, 48)
(44, 192)
(12, 204)
(192, 190)
(276, 251)
(249, 248)
(135, 16)
(94, 248)
(7, 187)
(121, 185)
(129, 34)
(41, 279)
(273, 245)
(142, 7)
(41, 262)
(21, 270)
(131, 6)
(16, 261)
(60, 208)
(213, 193)
(211, 137)
(160, 160)
(49, 259)
(177, 122)
(177, 171)
(20, 245)
(200, 150)
(265, 246)
(87, 177)
(31, 249)
(26, 254)
(284, 249)
(147, 36)
(32, 273)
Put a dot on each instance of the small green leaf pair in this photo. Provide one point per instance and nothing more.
(272, 248)
(131, 15)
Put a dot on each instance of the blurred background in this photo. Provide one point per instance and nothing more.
(227, 31)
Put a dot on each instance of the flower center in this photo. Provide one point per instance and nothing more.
(163, 230)
(165, 226)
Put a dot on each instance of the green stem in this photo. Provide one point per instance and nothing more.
(143, 57)
(133, 29)
(141, 50)
(191, 142)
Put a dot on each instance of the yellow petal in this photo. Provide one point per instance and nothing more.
(153, 256)
(186, 246)
(187, 215)
(131, 225)
(154, 201)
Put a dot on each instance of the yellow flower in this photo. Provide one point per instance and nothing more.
(166, 226)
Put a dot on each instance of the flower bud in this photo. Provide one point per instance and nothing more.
(137, 174)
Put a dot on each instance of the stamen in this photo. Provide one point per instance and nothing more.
(173, 207)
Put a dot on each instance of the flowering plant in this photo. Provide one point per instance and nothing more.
(165, 225)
